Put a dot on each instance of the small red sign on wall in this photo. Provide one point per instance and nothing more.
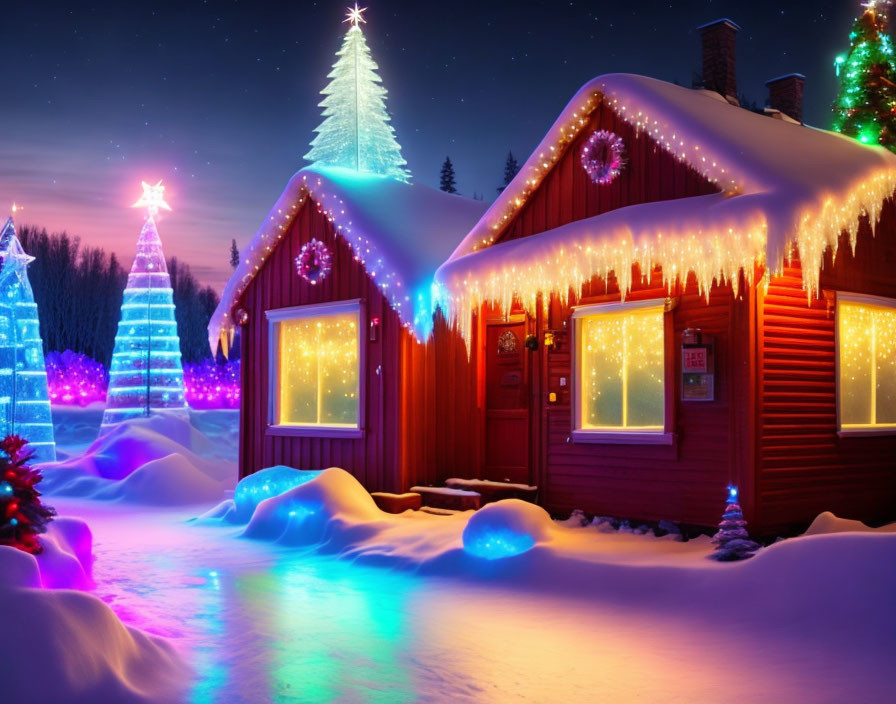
(693, 360)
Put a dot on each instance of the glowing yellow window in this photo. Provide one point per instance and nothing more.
(620, 368)
(866, 377)
(316, 363)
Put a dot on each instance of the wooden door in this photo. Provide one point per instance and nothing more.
(506, 401)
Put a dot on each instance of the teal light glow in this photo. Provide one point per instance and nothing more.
(24, 400)
(146, 371)
(273, 481)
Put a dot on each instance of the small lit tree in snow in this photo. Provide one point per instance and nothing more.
(356, 133)
(732, 540)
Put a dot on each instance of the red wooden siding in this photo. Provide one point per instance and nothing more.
(683, 482)
(421, 421)
(374, 458)
(804, 467)
(567, 193)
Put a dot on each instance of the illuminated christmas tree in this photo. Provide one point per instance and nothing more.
(24, 401)
(356, 133)
(146, 371)
(866, 105)
(732, 540)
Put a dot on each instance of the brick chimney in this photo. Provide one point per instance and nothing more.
(719, 65)
(785, 93)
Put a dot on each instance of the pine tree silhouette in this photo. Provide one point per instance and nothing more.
(446, 178)
(511, 168)
(234, 254)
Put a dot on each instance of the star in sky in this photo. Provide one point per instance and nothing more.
(152, 199)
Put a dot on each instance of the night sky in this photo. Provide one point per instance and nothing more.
(219, 98)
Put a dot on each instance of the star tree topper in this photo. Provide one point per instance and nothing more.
(355, 15)
(152, 199)
(11, 252)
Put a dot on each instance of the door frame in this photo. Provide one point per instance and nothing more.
(532, 378)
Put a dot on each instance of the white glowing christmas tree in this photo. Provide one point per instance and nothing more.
(24, 401)
(146, 371)
(356, 133)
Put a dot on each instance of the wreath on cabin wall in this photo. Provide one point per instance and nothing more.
(603, 157)
(314, 261)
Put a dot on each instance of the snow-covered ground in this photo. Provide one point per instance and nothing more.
(318, 596)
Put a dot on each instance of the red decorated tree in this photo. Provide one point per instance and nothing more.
(22, 515)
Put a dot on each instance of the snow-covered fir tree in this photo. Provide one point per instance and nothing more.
(511, 167)
(355, 132)
(866, 103)
(447, 182)
(732, 540)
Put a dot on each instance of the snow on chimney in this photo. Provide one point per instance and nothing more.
(785, 93)
(719, 66)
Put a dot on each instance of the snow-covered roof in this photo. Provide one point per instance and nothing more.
(781, 184)
(400, 233)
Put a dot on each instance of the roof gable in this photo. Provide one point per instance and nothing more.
(399, 232)
(781, 184)
(566, 193)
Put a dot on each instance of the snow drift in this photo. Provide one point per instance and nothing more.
(331, 506)
(160, 460)
(69, 646)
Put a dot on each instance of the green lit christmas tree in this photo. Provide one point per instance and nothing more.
(866, 105)
(356, 133)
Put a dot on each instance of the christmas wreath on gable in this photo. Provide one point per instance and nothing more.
(22, 515)
(314, 261)
(603, 156)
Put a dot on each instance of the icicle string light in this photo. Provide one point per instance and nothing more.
(756, 220)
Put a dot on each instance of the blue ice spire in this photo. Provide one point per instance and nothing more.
(146, 371)
(24, 401)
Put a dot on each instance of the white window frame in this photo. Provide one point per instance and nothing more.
(620, 436)
(866, 299)
(315, 310)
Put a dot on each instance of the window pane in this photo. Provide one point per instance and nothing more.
(855, 364)
(867, 381)
(319, 375)
(621, 371)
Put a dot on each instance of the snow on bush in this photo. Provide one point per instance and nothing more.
(159, 460)
(506, 528)
(325, 507)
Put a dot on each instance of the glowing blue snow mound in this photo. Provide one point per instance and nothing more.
(264, 484)
(328, 508)
(506, 528)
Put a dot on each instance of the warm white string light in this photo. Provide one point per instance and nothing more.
(732, 237)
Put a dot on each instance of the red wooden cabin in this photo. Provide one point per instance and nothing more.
(643, 340)
(333, 304)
